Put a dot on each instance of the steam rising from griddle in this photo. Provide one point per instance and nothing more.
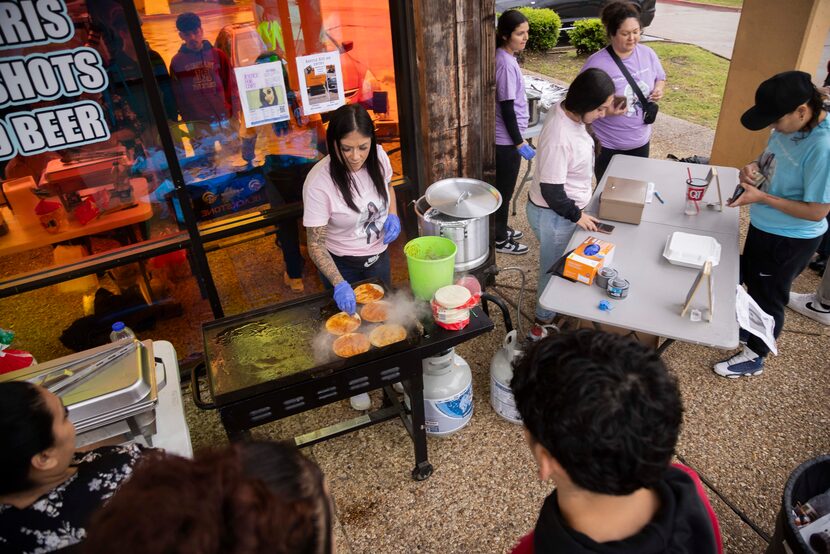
(404, 310)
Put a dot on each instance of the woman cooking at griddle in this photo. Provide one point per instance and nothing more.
(337, 196)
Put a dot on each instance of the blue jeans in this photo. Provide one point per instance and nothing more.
(554, 232)
(352, 269)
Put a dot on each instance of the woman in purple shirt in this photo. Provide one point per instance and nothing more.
(511, 121)
(623, 130)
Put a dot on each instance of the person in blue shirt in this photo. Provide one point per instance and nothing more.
(788, 191)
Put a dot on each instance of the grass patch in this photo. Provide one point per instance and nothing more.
(728, 3)
(695, 78)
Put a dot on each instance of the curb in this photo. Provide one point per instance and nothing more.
(711, 7)
(200, 13)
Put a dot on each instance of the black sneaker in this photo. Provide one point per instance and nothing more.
(511, 247)
(514, 234)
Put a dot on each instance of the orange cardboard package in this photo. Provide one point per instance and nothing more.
(587, 259)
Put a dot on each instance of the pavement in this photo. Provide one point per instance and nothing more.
(713, 28)
(745, 436)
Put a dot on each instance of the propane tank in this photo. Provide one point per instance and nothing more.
(448, 393)
(501, 372)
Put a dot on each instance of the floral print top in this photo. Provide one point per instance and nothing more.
(58, 519)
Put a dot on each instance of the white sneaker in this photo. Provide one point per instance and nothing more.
(809, 305)
(745, 363)
(361, 402)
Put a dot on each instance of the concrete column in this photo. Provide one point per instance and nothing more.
(773, 36)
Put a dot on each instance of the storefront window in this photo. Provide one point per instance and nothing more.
(246, 89)
(253, 83)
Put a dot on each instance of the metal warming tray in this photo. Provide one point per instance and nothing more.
(121, 389)
(272, 347)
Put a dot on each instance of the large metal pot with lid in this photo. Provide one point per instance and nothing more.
(458, 209)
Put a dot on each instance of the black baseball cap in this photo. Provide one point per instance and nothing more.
(776, 97)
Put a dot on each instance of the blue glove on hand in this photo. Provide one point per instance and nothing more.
(391, 229)
(526, 151)
(344, 297)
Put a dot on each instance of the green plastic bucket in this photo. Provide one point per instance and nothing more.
(431, 263)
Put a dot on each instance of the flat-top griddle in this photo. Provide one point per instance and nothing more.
(274, 346)
(261, 368)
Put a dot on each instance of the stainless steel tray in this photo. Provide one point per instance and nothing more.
(127, 386)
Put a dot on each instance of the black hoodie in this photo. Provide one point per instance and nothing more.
(681, 525)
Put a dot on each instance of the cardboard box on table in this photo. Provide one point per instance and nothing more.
(623, 200)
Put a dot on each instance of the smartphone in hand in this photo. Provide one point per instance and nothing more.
(739, 190)
(605, 228)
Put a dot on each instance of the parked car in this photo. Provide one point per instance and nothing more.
(573, 10)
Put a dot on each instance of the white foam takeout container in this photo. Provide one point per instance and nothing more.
(688, 250)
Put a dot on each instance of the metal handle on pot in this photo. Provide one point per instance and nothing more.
(194, 388)
(463, 196)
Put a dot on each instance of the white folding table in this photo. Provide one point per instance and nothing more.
(659, 288)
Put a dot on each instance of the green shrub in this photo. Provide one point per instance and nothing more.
(544, 28)
(588, 36)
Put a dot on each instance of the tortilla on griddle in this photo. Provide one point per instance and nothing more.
(368, 293)
(342, 323)
(376, 312)
(351, 344)
(384, 335)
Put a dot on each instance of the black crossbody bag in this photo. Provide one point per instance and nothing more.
(650, 108)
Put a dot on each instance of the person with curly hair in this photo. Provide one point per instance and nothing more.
(602, 415)
(250, 497)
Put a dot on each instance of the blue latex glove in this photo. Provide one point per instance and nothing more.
(526, 151)
(344, 297)
(391, 229)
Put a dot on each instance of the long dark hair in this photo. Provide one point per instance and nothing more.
(816, 105)
(25, 430)
(344, 120)
(588, 91)
(262, 96)
(508, 21)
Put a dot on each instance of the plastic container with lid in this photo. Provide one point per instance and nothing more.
(451, 307)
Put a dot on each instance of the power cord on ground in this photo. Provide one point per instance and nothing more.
(745, 518)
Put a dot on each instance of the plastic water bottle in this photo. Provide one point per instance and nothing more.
(120, 332)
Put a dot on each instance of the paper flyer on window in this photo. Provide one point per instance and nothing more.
(321, 82)
(262, 93)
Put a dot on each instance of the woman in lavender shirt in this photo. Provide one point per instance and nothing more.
(511, 121)
(623, 130)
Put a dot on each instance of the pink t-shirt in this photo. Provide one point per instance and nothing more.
(350, 233)
(565, 156)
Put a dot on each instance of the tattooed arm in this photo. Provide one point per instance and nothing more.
(320, 255)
